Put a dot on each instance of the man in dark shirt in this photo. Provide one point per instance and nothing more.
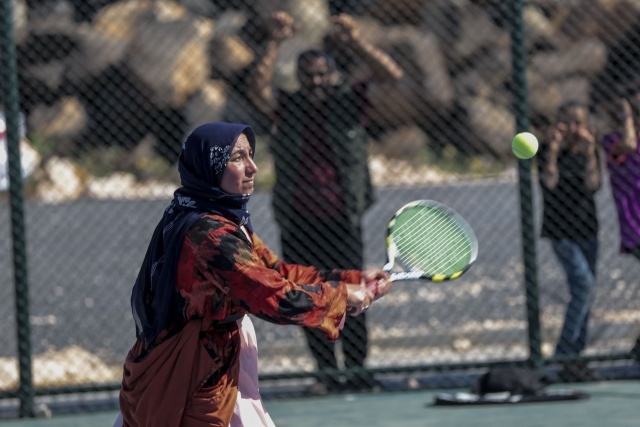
(322, 187)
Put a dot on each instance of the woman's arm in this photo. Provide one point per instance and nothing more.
(229, 272)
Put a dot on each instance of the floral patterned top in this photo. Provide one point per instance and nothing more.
(224, 273)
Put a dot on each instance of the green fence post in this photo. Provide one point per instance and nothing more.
(521, 107)
(8, 75)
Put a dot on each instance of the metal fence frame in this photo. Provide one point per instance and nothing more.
(26, 391)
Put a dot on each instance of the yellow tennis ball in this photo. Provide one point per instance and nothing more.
(524, 145)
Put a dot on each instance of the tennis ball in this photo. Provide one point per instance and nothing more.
(524, 145)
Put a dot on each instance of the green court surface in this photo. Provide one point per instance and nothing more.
(611, 404)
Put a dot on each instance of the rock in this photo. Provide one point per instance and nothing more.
(606, 19)
(586, 57)
(63, 181)
(229, 54)
(207, 105)
(545, 96)
(20, 19)
(61, 123)
(50, 74)
(427, 54)
(477, 31)
(404, 143)
(491, 126)
(97, 51)
(171, 58)
(119, 20)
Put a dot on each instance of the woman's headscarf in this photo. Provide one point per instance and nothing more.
(202, 162)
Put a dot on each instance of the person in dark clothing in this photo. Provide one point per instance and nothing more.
(570, 175)
(323, 187)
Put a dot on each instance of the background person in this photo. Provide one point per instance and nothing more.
(570, 175)
(322, 187)
(195, 359)
(623, 163)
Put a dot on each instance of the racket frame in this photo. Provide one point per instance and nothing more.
(419, 274)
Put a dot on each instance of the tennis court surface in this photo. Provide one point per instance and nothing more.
(611, 404)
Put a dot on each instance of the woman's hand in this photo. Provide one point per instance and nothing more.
(374, 285)
(377, 281)
(359, 298)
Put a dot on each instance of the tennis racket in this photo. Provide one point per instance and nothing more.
(427, 240)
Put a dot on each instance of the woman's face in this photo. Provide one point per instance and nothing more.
(238, 176)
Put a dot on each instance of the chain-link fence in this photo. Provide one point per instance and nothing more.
(397, 101)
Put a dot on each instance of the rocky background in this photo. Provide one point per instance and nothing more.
(110, 88)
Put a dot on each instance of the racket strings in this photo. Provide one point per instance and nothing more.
(452, 244)
(449, 241)
(444, 252)
(453, 253)
(431, 244)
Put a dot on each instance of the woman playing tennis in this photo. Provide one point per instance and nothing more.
(195, 359)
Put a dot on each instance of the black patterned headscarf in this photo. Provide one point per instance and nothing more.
(202, 162)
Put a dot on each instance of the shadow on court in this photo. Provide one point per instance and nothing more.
(611, 404)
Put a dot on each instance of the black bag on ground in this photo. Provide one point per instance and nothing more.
(508, 384)
(512, 379)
